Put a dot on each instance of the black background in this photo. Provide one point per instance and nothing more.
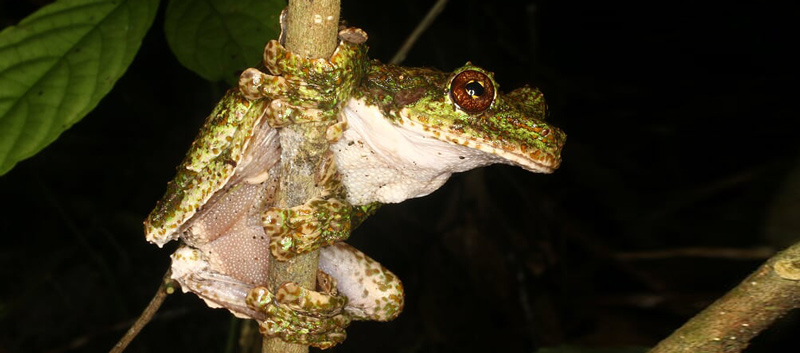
(680, 120)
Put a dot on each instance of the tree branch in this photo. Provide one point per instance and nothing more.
(421, 27)
(732, 321)
(311, 30)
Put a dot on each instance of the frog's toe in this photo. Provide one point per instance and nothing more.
(280, 112)
(306, 237)
(348, 51)
(255, 84)
(353, 35)
(309, 302)
(288, 322)
(275, 221)
(330, 339)
(297, 230)
(322, 340)
(307, 227)
(282, 247)
(279, 225)
(271, 56)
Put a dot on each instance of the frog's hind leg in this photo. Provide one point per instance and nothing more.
(373, 292)
(191, 270)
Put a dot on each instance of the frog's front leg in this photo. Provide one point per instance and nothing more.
(289, 102)
(307, 227)
(304, 90)
(319, 222)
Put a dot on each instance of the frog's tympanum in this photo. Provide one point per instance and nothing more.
(395, 133)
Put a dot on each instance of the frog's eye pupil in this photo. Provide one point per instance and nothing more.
(472, 91)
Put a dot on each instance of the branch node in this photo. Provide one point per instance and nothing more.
(788, 269)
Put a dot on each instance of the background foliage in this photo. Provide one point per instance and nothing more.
(680, 136)
(57, 64)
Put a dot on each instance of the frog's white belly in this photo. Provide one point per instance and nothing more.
(384, 161)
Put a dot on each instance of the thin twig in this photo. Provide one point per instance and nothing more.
(167, 287)
(759, 253)
(421, 27)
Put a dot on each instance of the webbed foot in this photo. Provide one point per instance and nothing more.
(299, 315)
(317, 223)
(303, 89)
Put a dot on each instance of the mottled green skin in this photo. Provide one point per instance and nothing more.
(309, 90)
(513, 123)
(306, 90)
(392, 87)
(299, 90)
(303, 90)
(207, 167)
(319, 222)
(298, 318)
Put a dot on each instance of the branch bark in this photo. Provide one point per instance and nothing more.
(311, 30)
(732, 321)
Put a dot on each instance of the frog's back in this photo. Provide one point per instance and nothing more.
(208, 166)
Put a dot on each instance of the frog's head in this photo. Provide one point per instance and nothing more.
(468, 109)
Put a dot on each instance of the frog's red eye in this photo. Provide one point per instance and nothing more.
(472, 91)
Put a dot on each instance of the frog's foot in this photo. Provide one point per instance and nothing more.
(291, 101)
(191, 269)
(319, 222)
(303, 89)
(326, 74)
(302, 316)
(335, 131)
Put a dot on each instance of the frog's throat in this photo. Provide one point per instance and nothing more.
(531, 159)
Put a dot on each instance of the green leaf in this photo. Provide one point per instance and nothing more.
(57, 64)
(217, 39)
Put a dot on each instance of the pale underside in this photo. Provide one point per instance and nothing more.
(360, 278)
(389, 162)
(228, 227)
(227, 248)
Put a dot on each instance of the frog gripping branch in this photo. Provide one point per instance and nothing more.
(395, 133)
(221, 205)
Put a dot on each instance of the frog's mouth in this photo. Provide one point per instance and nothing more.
(538, 160)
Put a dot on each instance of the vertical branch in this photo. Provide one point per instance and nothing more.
(312, 27)
(311, 31)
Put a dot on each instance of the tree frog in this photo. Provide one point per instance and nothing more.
(395, 133)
